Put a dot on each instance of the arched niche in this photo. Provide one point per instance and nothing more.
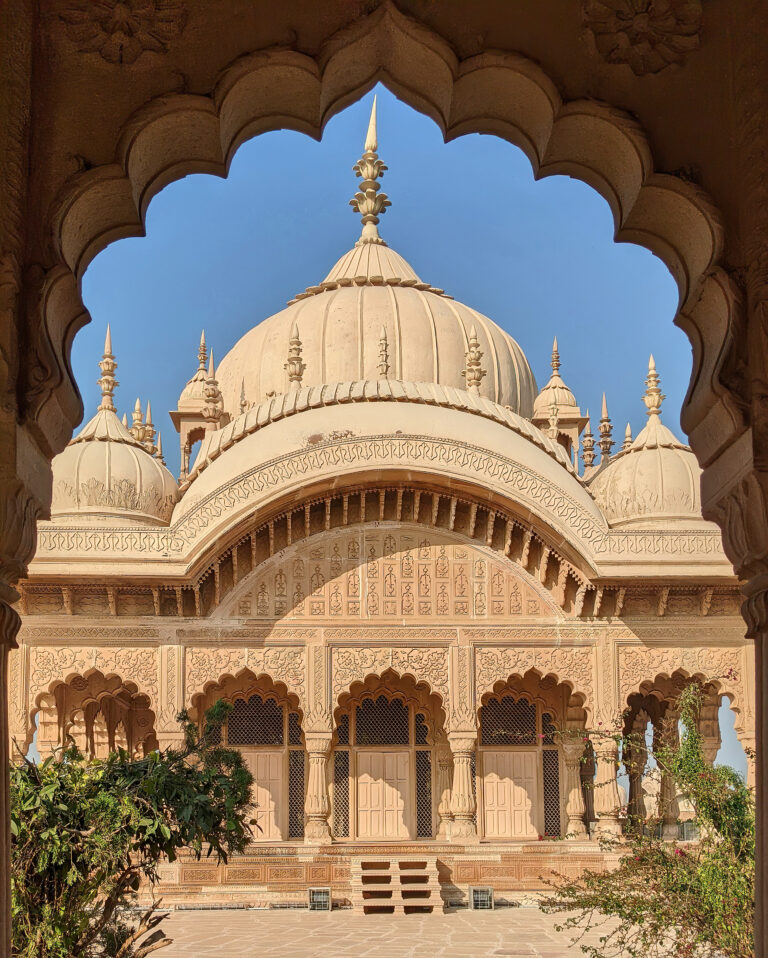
(97, 713)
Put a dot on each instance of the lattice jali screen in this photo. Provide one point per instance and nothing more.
(342, 730)
(255, 722)
(421, 730)
(295, 793)
(548, 729)
(341, 794)
(551, 791)
(382, 721)
(423, 794)
(508, 721)
(294, 728)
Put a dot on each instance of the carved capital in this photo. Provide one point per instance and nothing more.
(19, 512)
(317, 744)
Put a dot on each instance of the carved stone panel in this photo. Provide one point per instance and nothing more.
(286, 665)
(382, 574)
(140, 666)
(425, 665)
(572, 665)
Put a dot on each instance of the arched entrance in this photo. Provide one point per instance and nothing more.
(525, 767)
(265, 724)
(387, 732)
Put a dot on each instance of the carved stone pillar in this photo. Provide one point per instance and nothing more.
(748, 744)
(636, 762)
(669, 809)
(444, 777)
(573, 750)
(463, 802)
(607, 799)
(316, 803)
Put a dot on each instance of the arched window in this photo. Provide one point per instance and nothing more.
(269, 735)
(518, 769)
(383, 770)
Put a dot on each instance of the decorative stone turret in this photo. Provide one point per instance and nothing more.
(588, 445)
(556, 401)
(383, 364)
(606, 431)
(368, 201)
(294, 365)
(200, 407)
(473, 372)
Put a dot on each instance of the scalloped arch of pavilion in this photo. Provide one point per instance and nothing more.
(708, 222)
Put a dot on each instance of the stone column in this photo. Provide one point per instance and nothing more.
(444, 776)
(637, 760)
(463, 803)
(316, 803)
(573, 751)
(669, 810)
(607, 800)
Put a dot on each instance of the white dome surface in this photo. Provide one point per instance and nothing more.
(340, 322)
(657, 478)
(105, 474)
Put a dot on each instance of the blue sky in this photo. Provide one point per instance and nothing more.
(538, 258)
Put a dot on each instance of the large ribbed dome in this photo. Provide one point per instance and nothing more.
(373, 317)
(340, 327)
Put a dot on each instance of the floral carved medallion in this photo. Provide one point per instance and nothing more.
(647, 35)
(121, 30)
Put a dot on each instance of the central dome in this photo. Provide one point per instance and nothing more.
(373, 317)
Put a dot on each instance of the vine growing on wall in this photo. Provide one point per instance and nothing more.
(690, 899)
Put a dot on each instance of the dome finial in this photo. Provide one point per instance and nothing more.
(294, 365)
(473, 372)
(555, 357)
(627, 438)
(588, 445)
(202, 353)
(368, 201)
(107, 382)
(243, 400)
(383, 363)
(605, 427)
(137, 427)
(653, 397)
(212, 411)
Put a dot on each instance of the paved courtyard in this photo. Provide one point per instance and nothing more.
(273, 934)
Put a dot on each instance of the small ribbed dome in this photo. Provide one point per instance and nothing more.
(555, 393)
(106, 474)
(373, 317)
(656, 478)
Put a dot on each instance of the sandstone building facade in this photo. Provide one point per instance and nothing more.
(408, 568)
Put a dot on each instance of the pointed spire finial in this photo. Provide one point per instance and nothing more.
(212, 411)
(555, 356)
(137, 425)
(159, 449)
(588, 445)
(653, 397)
(627, 438)
(605, 428)
(368, 201)
(107, 381)
(211, 366)
(473, 372)
(294, 365)
(383, 364)
(125, 420)
(202, 353)
(149, 431)
(243, 400)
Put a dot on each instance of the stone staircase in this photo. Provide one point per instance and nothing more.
(383, 886)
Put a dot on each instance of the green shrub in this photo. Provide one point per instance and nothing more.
(85, 834)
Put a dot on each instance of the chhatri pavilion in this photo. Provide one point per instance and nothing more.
(408, 568)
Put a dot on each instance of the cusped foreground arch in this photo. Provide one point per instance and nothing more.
(500, 93)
